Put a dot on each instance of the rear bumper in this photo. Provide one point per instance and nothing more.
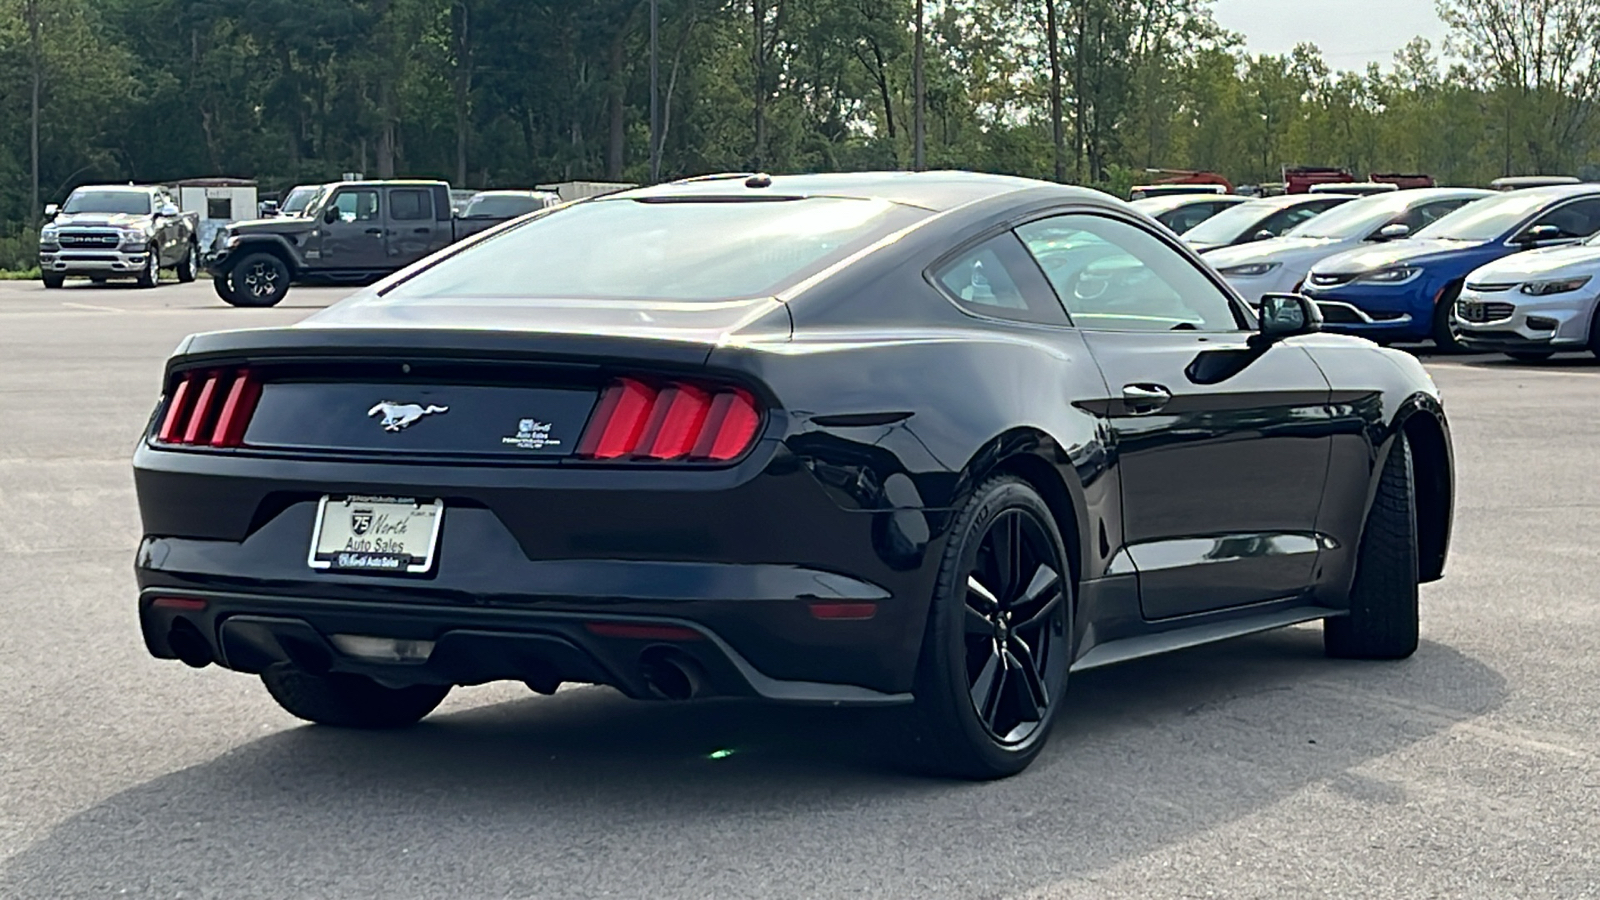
(742, 554)
(250, 632)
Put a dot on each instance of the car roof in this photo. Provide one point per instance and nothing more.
(1284, 201)
(936, 190)
(514, 193)
(127, 188)
(1554, 192)
(1170, 202)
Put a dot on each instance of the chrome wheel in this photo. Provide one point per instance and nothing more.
(1015, 624)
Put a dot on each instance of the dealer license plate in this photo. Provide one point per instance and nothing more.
(376, 534)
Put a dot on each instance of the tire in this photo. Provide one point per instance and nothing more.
(97, 280)
(52, 282)
(349, 701)
(992, 674)
(1444, 336)
(1530, 356)
(223, 289)
(1594, 332)
(150, 276)
(189, 266)
(260, 279)
(1382, 622)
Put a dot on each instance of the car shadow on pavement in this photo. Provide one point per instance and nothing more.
(589, 794)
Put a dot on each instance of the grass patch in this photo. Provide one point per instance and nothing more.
(23, 275)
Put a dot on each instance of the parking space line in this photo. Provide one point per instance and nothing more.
(91, 306)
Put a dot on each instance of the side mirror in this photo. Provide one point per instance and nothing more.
(1539, 233)
(168, 211)
(330, 215)
(1286, 315)
(267, 209)
(50, 211)
(1262, 235)
(1394, 231)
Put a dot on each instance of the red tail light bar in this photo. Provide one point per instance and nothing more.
(678, 420)
(210, 409)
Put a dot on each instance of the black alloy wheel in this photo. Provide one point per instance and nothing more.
(1012, 600)
(260, 279)
(998, 647)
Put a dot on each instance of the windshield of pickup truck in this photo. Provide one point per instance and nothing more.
(672, 250)
(133, 203)
(503, 206)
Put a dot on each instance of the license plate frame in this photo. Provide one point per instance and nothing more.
(405, 552)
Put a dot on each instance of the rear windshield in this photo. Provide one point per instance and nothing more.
(627, 249)
(501, 206)
(135, 203)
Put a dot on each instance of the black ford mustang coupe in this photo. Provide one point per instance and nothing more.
(934, 440)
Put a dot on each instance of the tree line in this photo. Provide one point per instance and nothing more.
(495, 93)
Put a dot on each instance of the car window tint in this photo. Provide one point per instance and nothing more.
(1281, 222)
(1579, 219)
(1428, 213)
(667, 248)
(1187, 217)
(1115, 276)
(357, 206)
(410, 205)
(996, 278)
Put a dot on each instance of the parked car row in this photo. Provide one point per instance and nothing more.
(1510, 269)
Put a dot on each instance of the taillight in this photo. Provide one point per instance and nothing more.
(210, 408)
(675, 420)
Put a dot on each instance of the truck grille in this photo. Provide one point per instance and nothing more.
(1474, 311)
(89, 239)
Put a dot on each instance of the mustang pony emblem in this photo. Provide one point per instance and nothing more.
(396, 416)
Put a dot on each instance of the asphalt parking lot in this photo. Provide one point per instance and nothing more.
(1253, 769)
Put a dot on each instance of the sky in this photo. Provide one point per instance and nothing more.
(1351, 33)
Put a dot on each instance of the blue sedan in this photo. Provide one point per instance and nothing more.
(1403, 290)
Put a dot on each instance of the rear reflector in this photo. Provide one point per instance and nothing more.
(186, 603)
(676, 421)
(210, 408)
(847, 611)
(641, 632)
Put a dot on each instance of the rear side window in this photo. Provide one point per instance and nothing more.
(697, 250)
(996, 278)
(410, 205)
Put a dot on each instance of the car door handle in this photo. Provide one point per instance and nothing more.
(422, 231)
(374, 231)
(1145, 398)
